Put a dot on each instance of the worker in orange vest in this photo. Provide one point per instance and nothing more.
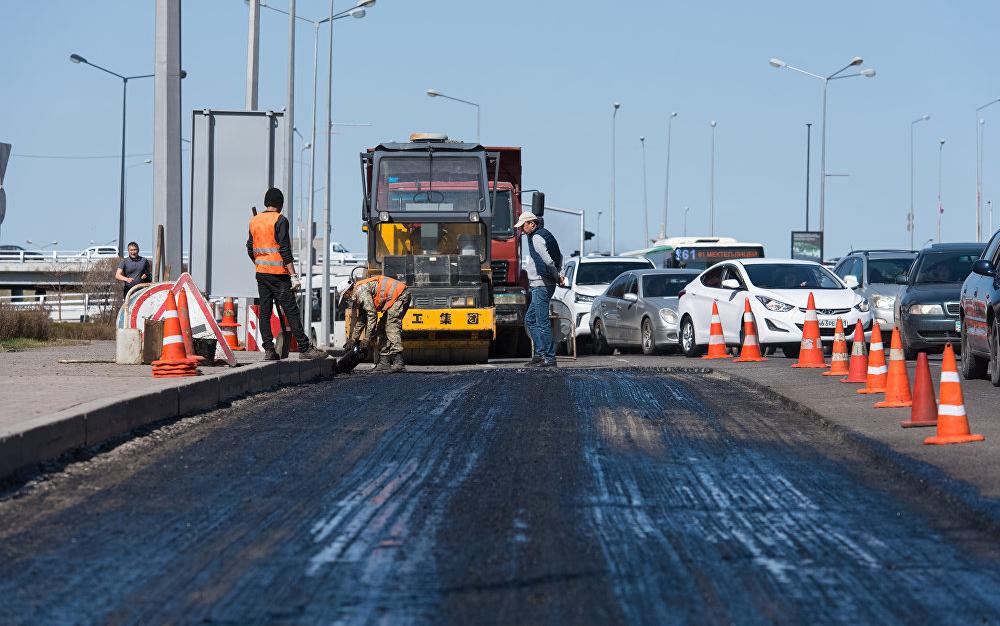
(270, 249)
(380, 294)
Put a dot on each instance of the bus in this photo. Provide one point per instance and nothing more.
(697, 252)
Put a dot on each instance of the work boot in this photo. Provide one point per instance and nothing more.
(547, 363)
(397, 363)
(535, 360)
(313, 353)
(271, 355)
(384, 364)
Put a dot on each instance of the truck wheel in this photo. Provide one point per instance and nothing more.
(600, 340)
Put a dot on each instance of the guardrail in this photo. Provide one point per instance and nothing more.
(47, 256)
(66, 307)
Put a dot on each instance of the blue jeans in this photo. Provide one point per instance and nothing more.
(536, 320)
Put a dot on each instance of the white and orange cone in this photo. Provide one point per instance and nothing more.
(877, 370)
(839, 358)
(173, 360)
(952, 422)
(858, 370)
(716, 338)
(897, 386)
(750, 352)
(811, 348)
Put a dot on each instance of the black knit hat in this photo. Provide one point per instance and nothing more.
(274, 198)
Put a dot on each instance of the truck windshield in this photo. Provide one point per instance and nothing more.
(503, 216)
(430, 184)
(414, 238)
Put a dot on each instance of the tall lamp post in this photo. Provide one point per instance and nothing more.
(868, 73)
(686, 209)
(910, 225)
(979, 169)
(940, 206)
(434, 93)
(666, 184)
(645, 205)
(599, 214)
(711, 185)
(614, 116)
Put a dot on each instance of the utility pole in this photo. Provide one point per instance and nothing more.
(253, 55)
(808, 154)
(666, 184)
(167, 164)
(290, 120)
(645, 205)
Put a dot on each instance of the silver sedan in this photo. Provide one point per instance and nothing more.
(639, 310)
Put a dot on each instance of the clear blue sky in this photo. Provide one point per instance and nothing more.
(546, 74)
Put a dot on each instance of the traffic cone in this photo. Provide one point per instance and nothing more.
(716, 338)
(228, 325)
(183, 316)
(897, 387)
(838, 360)
(858, 370)
(924, 411)
(173, 360)
(952, 422)
(750, 352)
(811, 348)
(877, 371)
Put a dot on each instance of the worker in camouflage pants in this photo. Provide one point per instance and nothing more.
(391, 297)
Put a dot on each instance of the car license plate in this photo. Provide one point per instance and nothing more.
(958, 327)
(827, 323)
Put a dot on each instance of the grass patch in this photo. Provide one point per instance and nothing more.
(83, 330)
(17, 344)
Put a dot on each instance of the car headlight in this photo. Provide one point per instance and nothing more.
(579, 297)
(775, 305)
(669, 316)
(883, 302)
(862, 306)
(926, 309)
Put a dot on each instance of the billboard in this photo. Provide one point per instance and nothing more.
(807, 245)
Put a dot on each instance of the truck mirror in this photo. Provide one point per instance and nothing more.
(538, 203)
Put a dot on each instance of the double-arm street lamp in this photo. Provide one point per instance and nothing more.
(910, 219)
(666, 184)
(979, 169)
(434, 93)
(868, 73)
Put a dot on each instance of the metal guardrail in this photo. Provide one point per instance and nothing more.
(66, 307)
(47, 256)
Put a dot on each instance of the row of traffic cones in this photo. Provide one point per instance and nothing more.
(871, 369)
(178, 358)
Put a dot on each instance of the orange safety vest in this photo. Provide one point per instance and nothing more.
(386, 290)
(265, 247)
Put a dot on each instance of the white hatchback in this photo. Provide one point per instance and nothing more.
(778, 290)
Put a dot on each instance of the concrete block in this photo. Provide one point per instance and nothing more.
(261, 376)
(316, 370)
(130, 412)
(288, 371)
(41, 439)
(201, 394)
(233, 384)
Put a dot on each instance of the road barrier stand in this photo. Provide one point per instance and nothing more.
(924, 409)
(811, 348)
(173, 362)
(897, 387)
(750, 351)
(858, 370)
(716, 338)
(877, 370)
(952, 422)
(839, 357)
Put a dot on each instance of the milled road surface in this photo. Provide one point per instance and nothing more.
(583, 496)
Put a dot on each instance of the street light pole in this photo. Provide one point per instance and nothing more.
(711, 186)
(939, 205)
(808, 155)
(614, 116)
(645, 206)
(666, 184)
(911, 217)
(979, 169)
(686, 209)
(434, 93)
(290, 119)
(599, 214)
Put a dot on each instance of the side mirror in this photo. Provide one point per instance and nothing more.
(538, 203)
(631, 297)
(902, 279)
(851, 281)
(984, 268)
(730, 283)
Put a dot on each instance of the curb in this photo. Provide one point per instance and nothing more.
(45, 438)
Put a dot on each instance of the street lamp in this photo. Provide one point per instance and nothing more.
(867, 73)
(434, 93)
(979, 168)
(666, 184)
(686, 209)
(910, 218)
(940, 206)
(599, 214)
(614, 115)
(711, 186)
(645, 206)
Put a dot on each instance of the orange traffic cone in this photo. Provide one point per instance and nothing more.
(858, 371)
(952, 423)
(838, 360)
(173, 360)
(897, 387)
(228, 325)
(750, 352)
(877, 371)
(716, 338)
(924, 411)
(183, 316)
(811, 348)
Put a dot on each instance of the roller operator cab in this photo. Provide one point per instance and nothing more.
(428, 212)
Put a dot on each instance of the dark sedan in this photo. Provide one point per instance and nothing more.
(980, 304)
(927, 310)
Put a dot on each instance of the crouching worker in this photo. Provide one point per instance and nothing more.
(379, 294)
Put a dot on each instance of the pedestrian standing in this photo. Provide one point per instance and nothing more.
(379, 294)
(270, 249)
(133, 269)
(544, 274)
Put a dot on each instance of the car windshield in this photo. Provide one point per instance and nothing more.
(885, 271)
(602, 273)
(791, 276)
(664, 285)
(945, 267)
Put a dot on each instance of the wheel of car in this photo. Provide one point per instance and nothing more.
(972, 365)
(648, 344)
(600, 340)
(909, 353)
(994, 354)
(689, 345)
(791, 350)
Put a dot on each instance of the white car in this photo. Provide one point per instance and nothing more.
(778, 290)
(339, 255)
(588, 277)
(98, 252)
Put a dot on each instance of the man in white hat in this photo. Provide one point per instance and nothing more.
(543, 276)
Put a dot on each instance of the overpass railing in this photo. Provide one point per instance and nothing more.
(64, 307)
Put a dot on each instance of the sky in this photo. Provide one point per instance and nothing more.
(546, 74)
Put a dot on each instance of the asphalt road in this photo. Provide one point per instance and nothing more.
(497, 496)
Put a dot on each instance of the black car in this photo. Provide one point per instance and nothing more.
(9, 252)
(927, 309)
(980, 310)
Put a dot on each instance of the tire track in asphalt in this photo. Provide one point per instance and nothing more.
(750, 513)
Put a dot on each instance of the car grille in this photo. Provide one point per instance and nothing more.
(828, 311)
(952, 308)
(500, 271)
